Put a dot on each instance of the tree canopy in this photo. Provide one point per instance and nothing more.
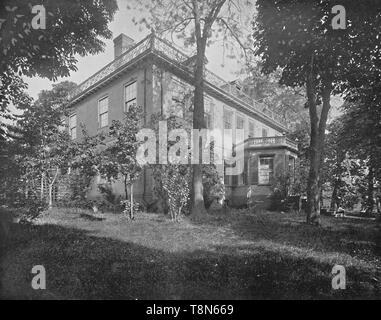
(43, 40)
(298, 37)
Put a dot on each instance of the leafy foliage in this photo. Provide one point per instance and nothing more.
(119, 158)
(297, 37)
(126, 208)
(72, 28)
(46, 147)
(214, 187)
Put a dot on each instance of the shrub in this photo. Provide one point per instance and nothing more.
(214, 187)
(176, 183)
(276, 200)
(126, 205)
(110, 201)
(34, 208)
(284, 186)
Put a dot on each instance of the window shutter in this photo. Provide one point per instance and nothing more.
(253, 170)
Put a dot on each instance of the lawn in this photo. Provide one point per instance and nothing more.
(235, 255)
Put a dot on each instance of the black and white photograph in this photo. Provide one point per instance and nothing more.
(189, 151)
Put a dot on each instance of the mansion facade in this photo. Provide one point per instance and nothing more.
(155, 75)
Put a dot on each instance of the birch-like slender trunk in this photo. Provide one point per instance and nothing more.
(42, 187)
(370, 190)
(132, 200)
(51, 184)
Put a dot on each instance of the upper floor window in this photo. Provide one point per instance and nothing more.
(103, 112)
(265, 132)
(251, 129)
(240, 122)
(73, 126)
(228, 119)
(208, 114)
(129, 96)
(208, 120)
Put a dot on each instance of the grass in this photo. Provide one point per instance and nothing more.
(235, 255)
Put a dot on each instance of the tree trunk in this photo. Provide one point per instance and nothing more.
(50, 196)
(198, 205)
(131, 201)
(314, 155)
(42, 188)
(334, 194)
(203, 28)
(318, 127)
(313, 194)
(51, 189)
(370, 190)
(125, 187)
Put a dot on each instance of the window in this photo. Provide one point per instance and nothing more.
(73, 126)
(265, 170)
(208, 120)
(103, 112)
(240, 122)
(208, 114)
(129, 96)
(251, 129)
(228, 119)
(264, 132)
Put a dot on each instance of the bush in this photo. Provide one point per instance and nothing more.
(176, 183)
(276, 200)
(172, 188)
(126, 205)
(34, 208)
(109, 201)
(214, 187)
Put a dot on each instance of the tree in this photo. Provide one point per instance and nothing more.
(197, 24)
(46, 146)
(362, 130)
(119, 159)
(288, 102)
(86, 161)
(341, 166)
(42, 39)
(298, 37)
(10, 171)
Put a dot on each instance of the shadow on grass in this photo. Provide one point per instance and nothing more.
(79, 265)
(360, 239)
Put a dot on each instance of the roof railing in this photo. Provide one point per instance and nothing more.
(154, 43)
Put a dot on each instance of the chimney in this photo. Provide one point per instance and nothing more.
(121, 44)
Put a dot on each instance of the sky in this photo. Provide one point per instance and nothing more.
(122, 23)
(218, 62)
